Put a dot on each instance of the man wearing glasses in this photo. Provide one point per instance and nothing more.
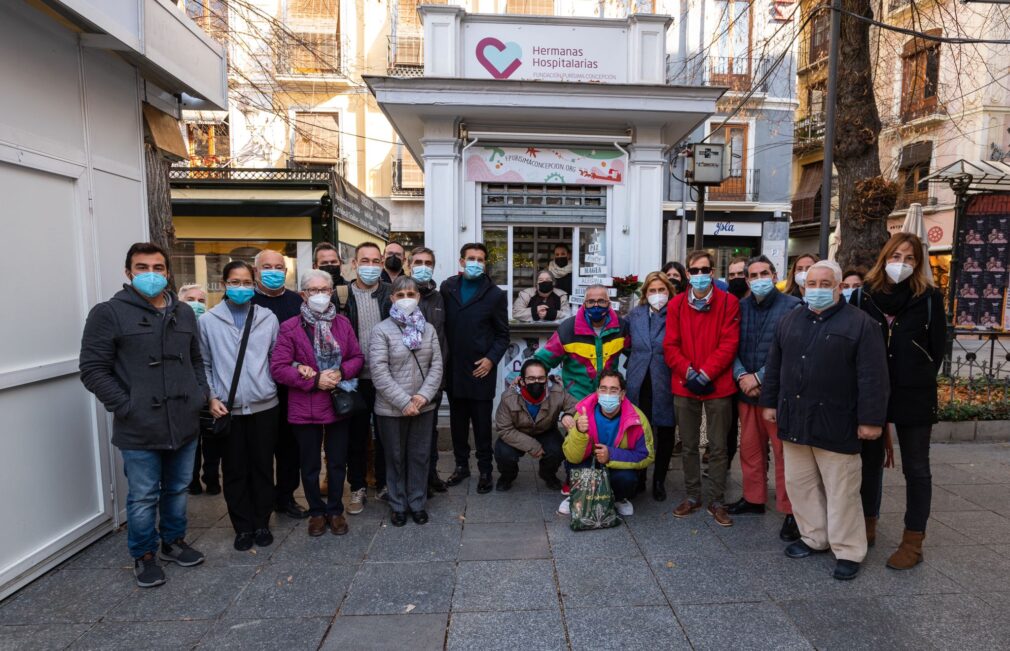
(702, 333)
(527, 422)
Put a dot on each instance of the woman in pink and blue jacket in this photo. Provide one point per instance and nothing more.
(614, 432)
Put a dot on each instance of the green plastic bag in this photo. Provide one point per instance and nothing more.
(592, 500)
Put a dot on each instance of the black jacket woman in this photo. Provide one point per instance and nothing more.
(899, 295)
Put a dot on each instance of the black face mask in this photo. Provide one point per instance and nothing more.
(545, 287)
(333, 270)
(561, 260)
(394, 264)
(738, 287)
(535, 389)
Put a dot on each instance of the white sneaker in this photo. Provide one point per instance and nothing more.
(624, 508)
(357, 504)
(565, 508)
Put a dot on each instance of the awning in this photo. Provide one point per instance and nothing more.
(917, 153)
(806, 193)
(979, 175)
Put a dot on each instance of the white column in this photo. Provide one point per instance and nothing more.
(443, 40)
(647, 48)
(442, 179)
(645, 201)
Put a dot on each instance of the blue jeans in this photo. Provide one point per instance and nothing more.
(158, 480)
(622, 482)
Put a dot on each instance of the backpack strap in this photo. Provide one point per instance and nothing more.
(341, 296)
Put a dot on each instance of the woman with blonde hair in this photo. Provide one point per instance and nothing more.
(797, 279)
(649, 376)
(900, 296)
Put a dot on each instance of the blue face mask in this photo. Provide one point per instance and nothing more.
(847, 293)
(150, 284)
(819, 298)
(608, 403)
(473, 269)
(701, 282)
(421, 274)
(272, 278)
(198, 308)
(597, 313)
(369, 275)
(761, 287)
(239, 295)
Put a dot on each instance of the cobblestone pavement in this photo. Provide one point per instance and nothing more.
(503, 571)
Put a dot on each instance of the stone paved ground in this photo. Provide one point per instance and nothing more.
(502, 571)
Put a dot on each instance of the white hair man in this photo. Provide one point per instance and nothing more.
(826, 388)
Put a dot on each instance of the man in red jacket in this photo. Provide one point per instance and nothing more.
(702, 333)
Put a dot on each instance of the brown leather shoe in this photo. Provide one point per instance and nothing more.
(338, 525)
(871, 531)
(317, 525)
(686, 508)
(720, 514)
(909, 553)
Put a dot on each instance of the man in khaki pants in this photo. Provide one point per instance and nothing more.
(826, 387)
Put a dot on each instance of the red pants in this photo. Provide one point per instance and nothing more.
(755, 434)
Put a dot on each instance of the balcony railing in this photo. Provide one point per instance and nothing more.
(809, 130)
(406, 56)
(742, 187)
(907, 197)
(735, 73)
(408, 178)
(308, 54)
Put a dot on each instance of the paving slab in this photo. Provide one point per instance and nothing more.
(40, 636)
(974, 568)
(669, 535)
(218, 546)
(615, 542)
(293, 591)
(129, 636)
(950, 621)
(992, 497)
(504, 507)
(687, 579)
(109, 552)
(387, 632)
(605, 582)
(504, 541)
(416, 543)
(446, 509)
(505, 585)
(981, 526)
(206, 511)
(943, 499)
(400, 588)
(68, 596)
(624, 628)
(750, 533)
(529, 630)
(287, 634)
(852, 623)
(891, 527)
(190, 593)
(766, 624)
(327, 549)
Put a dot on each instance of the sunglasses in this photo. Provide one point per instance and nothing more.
(704, 271)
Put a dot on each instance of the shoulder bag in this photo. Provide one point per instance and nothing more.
(345, 403)
(222, 426)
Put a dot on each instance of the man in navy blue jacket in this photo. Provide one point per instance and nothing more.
(760, 313)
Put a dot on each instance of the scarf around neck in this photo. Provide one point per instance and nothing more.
(325, 347)
(557, 271)
(894, 301)
(412, 325)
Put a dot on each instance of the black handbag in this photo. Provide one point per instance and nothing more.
(345, 403)
(222, 426)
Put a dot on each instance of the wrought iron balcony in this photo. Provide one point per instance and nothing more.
(742, 187)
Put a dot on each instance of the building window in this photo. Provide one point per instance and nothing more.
(209, 144)
(807, 200)
(530, 7)
(731, 63)
(311, 44)
(408, 177)
(820, 35)
(739, 185)
(920, 77)
(913, 167)
(316, 138)
(406, 43)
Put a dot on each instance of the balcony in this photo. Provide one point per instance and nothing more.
(742, 188)
(736, 73)
(907, 197)
(808, 132)
(406, 56)
(308, 54)
(408, 178)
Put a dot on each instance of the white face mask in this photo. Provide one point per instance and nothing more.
(657, 301)
(319, 302)
(407, 305)
(801, 278)
(898, 271)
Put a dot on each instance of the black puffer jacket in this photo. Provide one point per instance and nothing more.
(916, 340)
(826, 375)
(145, 366)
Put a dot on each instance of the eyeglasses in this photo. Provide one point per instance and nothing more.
(240, 283)
(318, 292)
(535, 380)
(603, 302)
(704, 271)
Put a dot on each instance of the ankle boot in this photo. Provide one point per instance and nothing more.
(871, 531)
(909, 553)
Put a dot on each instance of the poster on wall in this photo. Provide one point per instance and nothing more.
(983, 263)
(546, 165)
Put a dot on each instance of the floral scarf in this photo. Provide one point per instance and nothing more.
(412, 324)
(325, 347)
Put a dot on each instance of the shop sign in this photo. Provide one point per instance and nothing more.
(545, 52)
(733, 229)
(939, 228)
(545, 165)
(355, 207)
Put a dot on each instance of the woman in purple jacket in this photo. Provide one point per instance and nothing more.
(315, 352)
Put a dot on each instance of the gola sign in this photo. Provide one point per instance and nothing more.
(544, 52)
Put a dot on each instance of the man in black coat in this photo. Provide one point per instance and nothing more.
(826, 387)
(140, 356)
(477, 335)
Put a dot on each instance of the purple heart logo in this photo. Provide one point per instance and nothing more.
(500, 59)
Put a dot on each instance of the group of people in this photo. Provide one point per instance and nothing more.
(810, 370)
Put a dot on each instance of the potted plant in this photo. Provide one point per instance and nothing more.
(627, 289)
